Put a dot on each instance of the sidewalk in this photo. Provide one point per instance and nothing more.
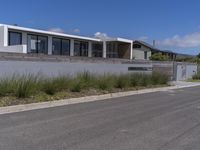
(185, 84)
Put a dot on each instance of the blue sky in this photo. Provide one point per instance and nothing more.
(174, 24)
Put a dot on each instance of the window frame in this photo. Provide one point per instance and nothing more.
(61, 45)
(9, 39)
(38, 35)
(81, 49)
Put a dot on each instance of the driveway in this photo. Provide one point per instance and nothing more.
(168, 120)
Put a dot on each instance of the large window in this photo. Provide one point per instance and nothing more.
(42, 44)
(112, 50)
(14, 38)
(80, 48)
(56, 46)
(61, 46)
(65, 47)
(37, 44)
(97, 49)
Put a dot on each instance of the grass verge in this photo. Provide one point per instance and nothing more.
(24, 89)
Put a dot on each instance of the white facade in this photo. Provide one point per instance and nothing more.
(30, 38)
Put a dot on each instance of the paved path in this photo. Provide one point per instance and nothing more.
(168, 120)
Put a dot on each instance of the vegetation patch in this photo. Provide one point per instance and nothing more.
(196, 77)
(24, 89)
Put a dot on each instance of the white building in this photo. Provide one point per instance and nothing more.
(15, 39)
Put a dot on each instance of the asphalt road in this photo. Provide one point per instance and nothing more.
(157, 121)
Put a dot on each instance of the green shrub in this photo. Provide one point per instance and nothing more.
(159, 78)
(105, 82)
(62, 82)
(86, 80)
(196, 77)
(159, 57)
(49, 87)
(25, 86)
(135, 79)
(122, 81)
(52, 85)
(76, 86)
(7, 86)
(145, 80)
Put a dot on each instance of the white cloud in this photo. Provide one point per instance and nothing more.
(76, 31)
(187, 41)
(101, 35)
(58, 30)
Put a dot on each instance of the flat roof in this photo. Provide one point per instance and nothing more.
(120, 40)
(12, 27)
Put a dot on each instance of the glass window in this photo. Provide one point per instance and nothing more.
(42, 44)
(56, 46)
(112, 50)
(80, 48)
(37, 44)
(97, 50)
(66, 47)
(61, 46)
(15, 38)
(32, 44)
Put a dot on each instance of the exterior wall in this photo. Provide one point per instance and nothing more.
(139, 53)
(51, 69)
(55, 65)
(4, 43)
(176, 71)
(14, 49)
(164, 67)
(3, 36)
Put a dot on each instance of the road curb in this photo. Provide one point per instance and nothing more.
(42, 105)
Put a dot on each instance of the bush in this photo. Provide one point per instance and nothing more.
(134, 79)
(105, 82)
(158, 78)
(6, 87)
(196, 77)
(159, 57)
(52, 85)
(76, 87)
(122, 81)
(25, 86)
(145, 80)
(49, 87)
(86, 80)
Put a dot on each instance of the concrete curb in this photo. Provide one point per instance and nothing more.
(34, 106)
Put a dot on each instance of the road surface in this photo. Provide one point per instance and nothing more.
(168, 120)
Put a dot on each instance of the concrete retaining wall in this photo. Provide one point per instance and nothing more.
(11, 63)
(8, 68)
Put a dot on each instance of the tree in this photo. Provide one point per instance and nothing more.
(198, 56)
(159, 57)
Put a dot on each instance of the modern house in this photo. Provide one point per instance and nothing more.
(15, 39)
(143, 50)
